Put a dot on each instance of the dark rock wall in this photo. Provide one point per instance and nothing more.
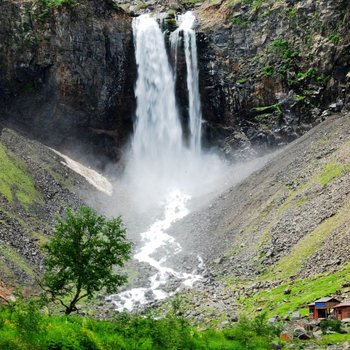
(67, 73)
(271, 70)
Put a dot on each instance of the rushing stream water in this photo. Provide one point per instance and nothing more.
(160, 166)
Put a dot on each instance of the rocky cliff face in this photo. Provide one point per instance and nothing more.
(67, 72)
(271, 70)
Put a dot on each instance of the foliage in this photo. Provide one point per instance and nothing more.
(189, 3)
(238, 21)
(81, 255)
(303, 292)
(284, 49)
(334, 38)
(41, 9)
(267, 71)
(331, 325)
(25, 327)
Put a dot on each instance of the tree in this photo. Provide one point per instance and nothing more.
(82, 255)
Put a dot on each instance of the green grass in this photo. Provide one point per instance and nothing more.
(11, 255)
(330, 172)
(334, 339)
(24, 326)
(293, 262)
(303, 292)
(15, 182)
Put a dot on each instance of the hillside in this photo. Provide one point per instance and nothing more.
(287, 222)
(35, 187)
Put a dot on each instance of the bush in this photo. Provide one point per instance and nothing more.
(331, 325)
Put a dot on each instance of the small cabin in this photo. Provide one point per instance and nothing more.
(342, 310)
(322, 308)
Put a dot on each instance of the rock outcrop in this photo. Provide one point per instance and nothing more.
(271, 70)
(67, 73)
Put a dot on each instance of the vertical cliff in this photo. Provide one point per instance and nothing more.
(272, 69)
(67, 71)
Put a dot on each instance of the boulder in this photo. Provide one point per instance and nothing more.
(296, 315)
(301, 333)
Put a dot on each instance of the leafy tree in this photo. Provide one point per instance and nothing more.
(81, 257)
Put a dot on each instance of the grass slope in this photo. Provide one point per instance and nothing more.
(15, 182)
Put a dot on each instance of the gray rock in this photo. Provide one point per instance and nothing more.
(301, 333)
(296, 315)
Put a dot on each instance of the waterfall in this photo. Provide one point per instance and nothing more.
(158, 134)
(158, 150)
(161, 173)
(186, 23)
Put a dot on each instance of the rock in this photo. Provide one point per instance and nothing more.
(218, 261)
(301, 334)
(273, 320)
(336, 107)
(317, 334)
(296, 315)
(287, 291)
(79, 64)
(346, 346)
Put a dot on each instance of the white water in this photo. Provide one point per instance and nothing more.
(186, 24)
(157, 134)
(155, 238)
(161, 172)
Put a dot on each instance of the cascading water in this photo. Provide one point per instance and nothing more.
(160, 168)
(186, 23)
(158, 134)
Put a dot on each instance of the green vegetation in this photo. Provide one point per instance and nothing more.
(331, 325)
(16, 259)
(293, 262)
(189, 3)
(292, 13)
(273, 108)
(141, 6)
(15, 183)
(82, 254)
(242, 81)
(238, 21)
(334, 38)
(284, 49)
(41, 9)
(267, 71)
(23, 326)
(330, 172)
(303, 292)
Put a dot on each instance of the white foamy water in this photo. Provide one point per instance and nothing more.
(153, 239)
(160, 170)
(187, 22)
